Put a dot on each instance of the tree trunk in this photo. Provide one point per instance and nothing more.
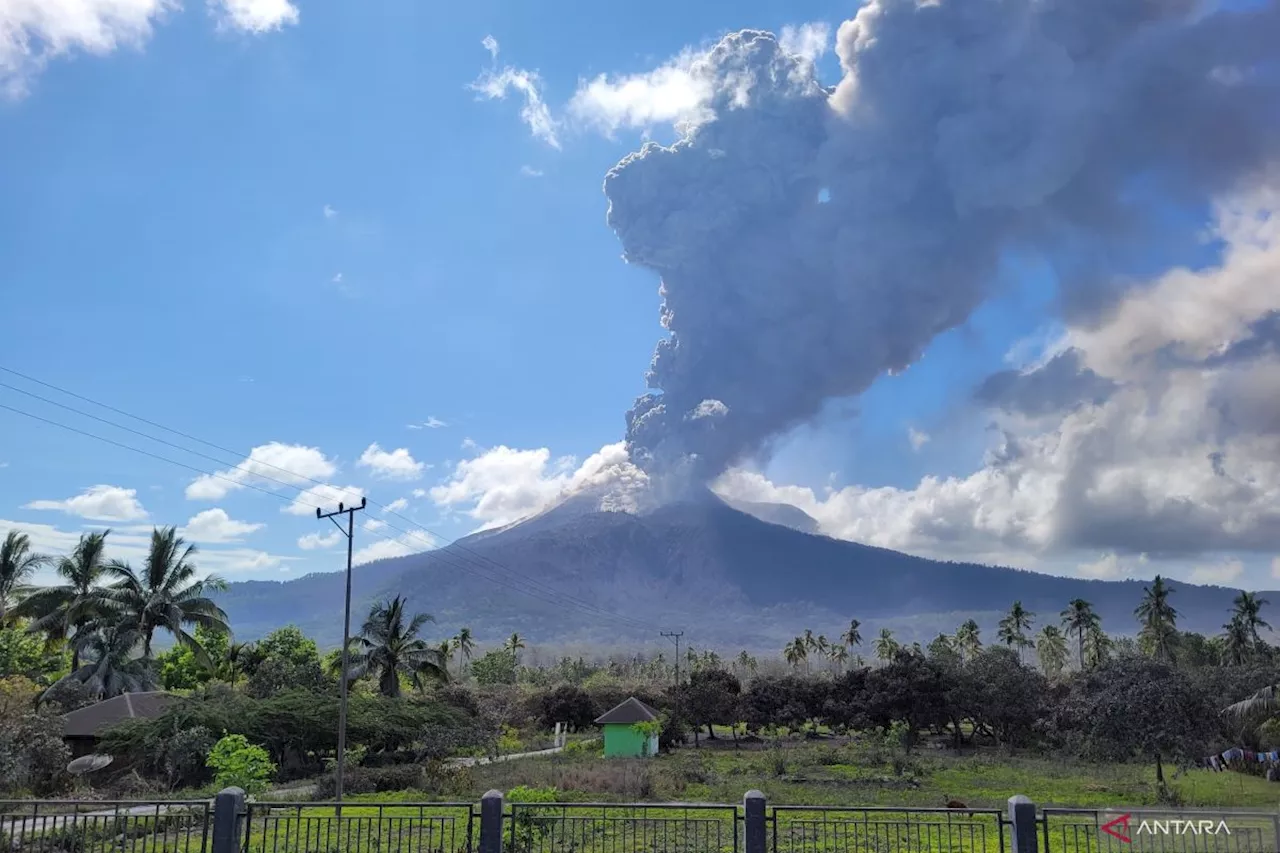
(1159, 771)
(711, 732)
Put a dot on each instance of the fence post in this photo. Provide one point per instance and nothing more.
(757, 838)
(1022, 816)
(228, 808)
(490, 823)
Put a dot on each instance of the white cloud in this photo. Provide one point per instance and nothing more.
(292, 464)
(398, 504)
(238, 560)
(1275, 567)
(337, 278)
(496, 83)
(918, 438)
(432, 422)
(530, 172)
(811, 40)
(708, 409)
(317, 541)
(419, 493)
(123, 544)
(490, 44)
(329, 212)
(383, 549)
(396, 464)
(33, 32)
(1223, 572)
(1106, 567)
(326, 497)
(99, 503)
(214, 525)
(503, 484)
(255, 16)
(374, 524)
(677, 93)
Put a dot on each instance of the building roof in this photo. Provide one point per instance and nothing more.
(628, 713)
(95, 719)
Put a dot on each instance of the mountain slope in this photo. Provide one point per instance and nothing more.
(726, 577)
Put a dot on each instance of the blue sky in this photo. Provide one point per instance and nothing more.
(309, 228)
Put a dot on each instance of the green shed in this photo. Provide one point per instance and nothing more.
(621, 737)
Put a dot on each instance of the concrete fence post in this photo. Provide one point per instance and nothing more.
(490, 822)
(228, 819)
(1022, 817)
(755, 833)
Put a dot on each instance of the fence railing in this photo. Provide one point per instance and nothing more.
(834, 829)
(75, 826)
(1158, 831)
(230, 825)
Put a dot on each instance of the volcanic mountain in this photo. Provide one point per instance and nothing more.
(728, 578)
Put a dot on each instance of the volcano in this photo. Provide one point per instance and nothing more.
(729, 577)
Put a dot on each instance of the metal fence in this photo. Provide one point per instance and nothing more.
(360, 828)
(1159, 831)
(614, 828)
(807, 829)
(74, 826)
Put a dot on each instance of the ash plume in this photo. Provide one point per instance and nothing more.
(810, 239)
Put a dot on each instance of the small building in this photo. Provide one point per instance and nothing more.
(622, 735)
(82, 727)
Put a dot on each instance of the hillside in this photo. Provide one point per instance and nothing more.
(729, 579)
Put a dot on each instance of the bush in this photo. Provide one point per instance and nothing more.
(66, 696)
(185, 755)
(33, 757)
(373, 780)
(240, 764)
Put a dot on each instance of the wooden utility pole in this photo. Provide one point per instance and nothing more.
(675, 636)
(350, 533)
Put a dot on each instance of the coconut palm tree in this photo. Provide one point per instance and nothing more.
(465, 643)
(839, 656)
(853, 636)
(62, 611)
(1014, 627)
(1079, 619)
(1158, 619)
(390, 647)
(113, 664)
(1052, 650)
(745, 662)
(165, 595)
(514, 644)
(17, 564)
(1247, 609)
(794, 652)
(1097, 646)
(969, 639)
(885, 645)
(1236, 641)
(445, 652)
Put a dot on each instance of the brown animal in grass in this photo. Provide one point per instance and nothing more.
(956, 804)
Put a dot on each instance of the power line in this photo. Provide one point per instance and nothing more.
(504, 570)
(564, 602)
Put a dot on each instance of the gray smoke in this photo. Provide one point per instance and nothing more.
(810, 239)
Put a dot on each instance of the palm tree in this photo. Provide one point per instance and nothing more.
(465, 643)
(445, 652)
(969, 639)
(114, 666)
(1247, 609)
(1052, 650)
(839, 656)
(1079, 619)
(810, 645)
(1158, 618)
(391, 647)
(1097, 646)
(166, 594)
(794, 652)
(514, 644)
(853, 636)
(62, 611)
(17, 565)
(885, 645)
(1236, 642)
(745, 662)
(1013, 627)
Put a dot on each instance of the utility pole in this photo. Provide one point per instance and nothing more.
(675, 636)
(350, 533)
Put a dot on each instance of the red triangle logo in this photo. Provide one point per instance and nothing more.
(1118, 828)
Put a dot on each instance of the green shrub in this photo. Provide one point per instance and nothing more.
(238, 763)
(530, 824)
(373, 780)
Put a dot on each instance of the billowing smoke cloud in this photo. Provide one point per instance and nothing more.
(810, 239)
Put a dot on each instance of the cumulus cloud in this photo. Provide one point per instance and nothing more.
(678, 93)
(432, 422)
(1221, 573)
(503, 484)
(810, 41)
(374, 524)
(497, 83)
(33, 32)
(230, 561)
(396, 505)
(396, 464)
(383, 549)
(319, 541)
(255, 16)
(917, 438)
(267, 466)
(98, 503)
(214, 525)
